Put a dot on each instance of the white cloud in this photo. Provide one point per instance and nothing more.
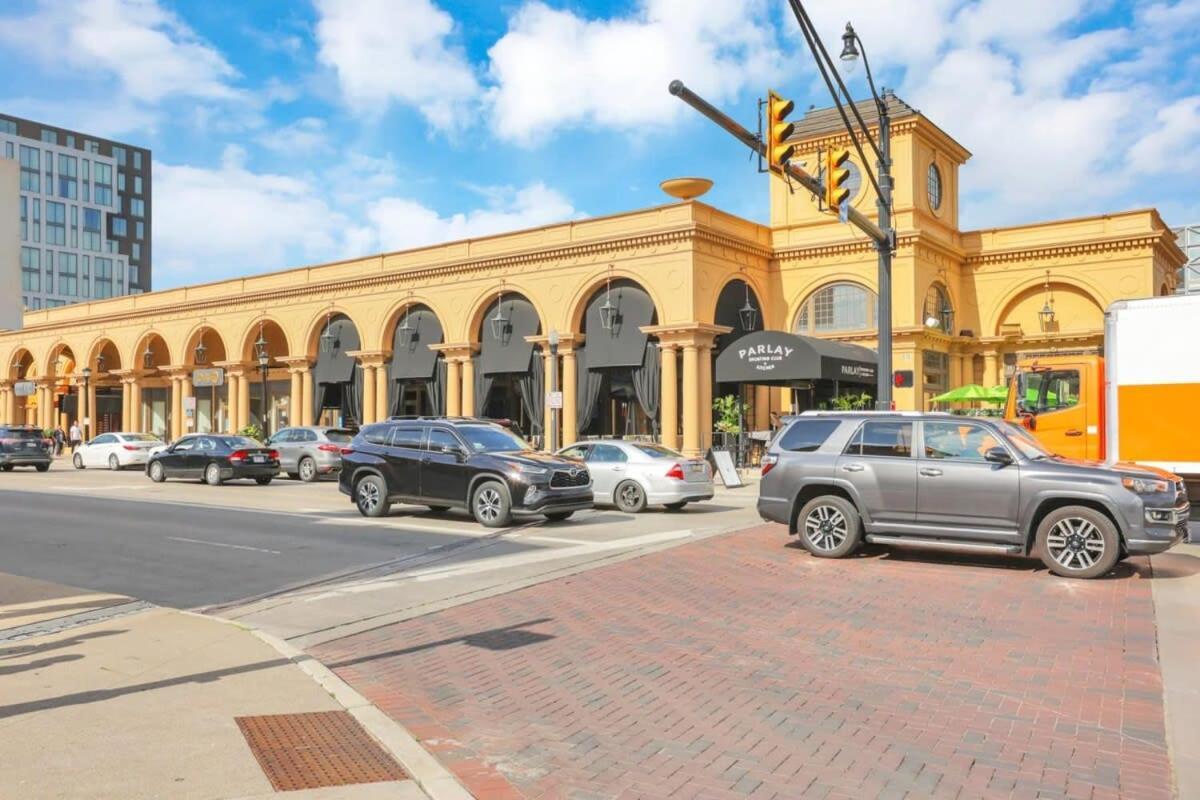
(402, 223)
(396, 50)
(149, 50)
(305, 136)
(554, 69)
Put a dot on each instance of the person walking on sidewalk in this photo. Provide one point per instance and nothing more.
(76, 436)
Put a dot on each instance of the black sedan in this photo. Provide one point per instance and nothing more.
(214, 458)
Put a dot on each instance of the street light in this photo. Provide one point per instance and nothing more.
(201, 351)
(148, 357)
(608, 312)
(87, 377)
(404, 333)
(100, 359)
(328, 338)
(499, 322)
(264, 364)
(748, 313)
(1046, 315)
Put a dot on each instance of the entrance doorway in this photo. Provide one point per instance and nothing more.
(504, 402)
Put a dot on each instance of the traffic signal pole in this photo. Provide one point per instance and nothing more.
(800, 176)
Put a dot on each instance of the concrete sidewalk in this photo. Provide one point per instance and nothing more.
(142, 704)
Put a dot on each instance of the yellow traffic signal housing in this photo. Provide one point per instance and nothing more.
(836, 176)
(779, 130)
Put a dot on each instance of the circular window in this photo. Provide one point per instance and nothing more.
(934, 187)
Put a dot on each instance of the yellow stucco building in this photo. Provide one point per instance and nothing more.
(639, 303)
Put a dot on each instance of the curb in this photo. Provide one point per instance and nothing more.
(435, 780)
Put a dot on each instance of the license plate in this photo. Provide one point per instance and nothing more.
(697, 468)
(258, 459)
(31, 445)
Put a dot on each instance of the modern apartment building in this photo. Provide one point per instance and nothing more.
(84, 214)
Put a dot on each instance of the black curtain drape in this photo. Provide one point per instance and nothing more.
(587, 390)
(398, 391)
(436, 387)
(352, 393)
(319, 400)
(647, 384)
(533, 394)
(483, 386)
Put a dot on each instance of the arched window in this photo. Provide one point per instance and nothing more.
(938, 313)
(837, 307)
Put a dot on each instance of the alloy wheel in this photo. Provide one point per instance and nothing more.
(825, 528)
(488, 504)
(630, 495)
(306, 469)
(77, 461)
(1075, 543)
(114, 463)
(368, 496)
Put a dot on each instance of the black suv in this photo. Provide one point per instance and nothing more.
(22, 446)
(460, 462)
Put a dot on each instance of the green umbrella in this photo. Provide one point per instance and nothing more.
(996, 394)
(963, 394)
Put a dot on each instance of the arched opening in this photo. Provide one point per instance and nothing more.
(417, 374)
(618, 368)
(1051, 308)
(842, 307)
(105, 361)
(153, 414)
(337, 375)
(66, 389)
(509, 381)
(210, 389)
(937, 313)
(741, 404)
(265, 345)
(23, 371)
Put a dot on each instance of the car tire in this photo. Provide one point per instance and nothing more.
(630, 497)
(829, 526)
(156, 472)
(370, 496)
(439, 509)
(559, 516)
(7, 467)
(675, 506)
(293, 476)
(490, 505)
(264, 480)
(114, 463)
(307, 470)
(43, 467)
(1078, 542)
(212, 475)
(77, 461)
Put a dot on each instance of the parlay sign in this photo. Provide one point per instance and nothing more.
(765, 357)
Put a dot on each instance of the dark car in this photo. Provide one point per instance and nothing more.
(214, 458)
(460, 462)
(23, 447)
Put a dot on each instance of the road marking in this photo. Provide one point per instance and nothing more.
(223, 544)
(405, 526)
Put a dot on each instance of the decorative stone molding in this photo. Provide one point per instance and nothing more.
(1076, 249)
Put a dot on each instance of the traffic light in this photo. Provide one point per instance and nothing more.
(837, 173)
(902, 379)
(779, 130)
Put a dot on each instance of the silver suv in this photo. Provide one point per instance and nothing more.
(967, 484)
(310, 452)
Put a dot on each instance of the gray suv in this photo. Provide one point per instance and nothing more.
(966, 484)
(310, 452)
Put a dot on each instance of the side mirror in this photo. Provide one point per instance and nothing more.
(998, 455)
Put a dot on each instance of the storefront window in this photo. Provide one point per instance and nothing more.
(837, 307)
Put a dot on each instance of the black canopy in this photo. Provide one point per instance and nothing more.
(775, 357)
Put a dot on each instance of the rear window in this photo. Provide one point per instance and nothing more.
(236, 442)
(341, 437)
(655, 451)
(807, 435)
(21, 433)
(138, 437)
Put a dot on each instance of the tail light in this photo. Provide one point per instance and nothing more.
(238, 455)
(329, 448)
(131, 447)
(273, 455)
(676, 472)
(347, 451)
(769, 460)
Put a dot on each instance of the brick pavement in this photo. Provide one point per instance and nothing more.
(741, 667)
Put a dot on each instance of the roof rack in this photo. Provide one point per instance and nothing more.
(871, 414)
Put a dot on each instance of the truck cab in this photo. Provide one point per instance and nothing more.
(1061, 400)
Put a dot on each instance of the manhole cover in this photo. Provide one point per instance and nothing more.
(322, 748)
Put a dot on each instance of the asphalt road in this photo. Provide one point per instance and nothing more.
(190, 556)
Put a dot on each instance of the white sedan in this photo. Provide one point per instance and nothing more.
(116, 450)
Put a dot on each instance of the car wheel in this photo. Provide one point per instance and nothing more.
(1078, 542)
(265, 480)
(77, 461)
(490, 505)
(630, 497)
(559, 516)
(156, 472)
(830, 527)
(43, 467)
(7, 467)
(212, 475)
(308, 470)
(370, 496)
(114, 463)
(439, 509)
(675, 506)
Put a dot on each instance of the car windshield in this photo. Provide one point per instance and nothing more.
(237, 442)
(1020, 438)
(340, 437)
(492, 439)
(657, 451)
(139, 437)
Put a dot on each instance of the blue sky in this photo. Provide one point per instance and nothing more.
(289, 133)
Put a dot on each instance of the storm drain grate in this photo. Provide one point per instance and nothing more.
(321, 748)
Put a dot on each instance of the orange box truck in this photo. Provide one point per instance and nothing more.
(1139, 403)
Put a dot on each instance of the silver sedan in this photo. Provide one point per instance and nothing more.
(633, 475)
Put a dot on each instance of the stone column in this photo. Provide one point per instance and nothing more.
(125, 403)
(232, 403)
(691, 407)
(185, 392)
(176, 425)
(136, 414)
(453, 387)
(706, 397)
(570, 401)
(92, 417)
(669, 397)
(5, 414)
(307, 412)
(762, 408)
(368, 398)
(243, 415)
(382, 395)
(468, 387)
(548, 367)
(296, 397)
(991, 368)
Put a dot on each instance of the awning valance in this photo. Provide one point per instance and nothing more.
(775, 357)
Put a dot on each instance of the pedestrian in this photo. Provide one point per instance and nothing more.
(76, 436)
(56, 438)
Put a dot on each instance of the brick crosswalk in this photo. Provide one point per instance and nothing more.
(741, 667)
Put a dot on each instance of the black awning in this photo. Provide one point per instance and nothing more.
(775, 357)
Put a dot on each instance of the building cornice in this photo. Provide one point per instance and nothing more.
(1082, 248)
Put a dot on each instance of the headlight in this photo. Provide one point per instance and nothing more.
(522, 469)
(1145, 485)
